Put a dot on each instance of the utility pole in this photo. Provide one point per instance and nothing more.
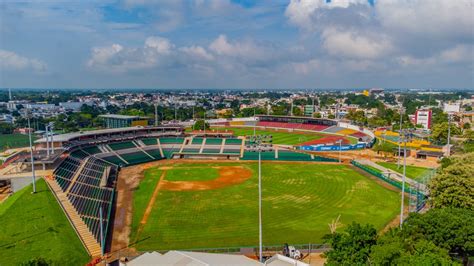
(400, 136)
(255, 124)
(156, 114)
(33, 175)
(47, 140)
(449, 135)
(51, 128)
(340, 149)
(260, 144)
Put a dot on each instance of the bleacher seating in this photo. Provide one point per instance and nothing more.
(114, 159)
(155, 153)
(211, 151)
(65, 171)
(150, 142)
(291, 125)
(171, 140)
(122, 145)
(197, 141)
(213, 141)
(136, 157)
(80, 154)
(91, 150)
(88, 197)
(233, 142)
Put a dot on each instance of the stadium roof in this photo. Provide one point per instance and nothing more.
(73, 135)
(187, 258)
(120, 116)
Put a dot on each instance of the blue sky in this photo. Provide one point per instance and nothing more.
(237, 44)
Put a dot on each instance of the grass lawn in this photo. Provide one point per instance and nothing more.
(413, 172)
(299, 201)
(14, 141)
(279, 137)
(34, 226)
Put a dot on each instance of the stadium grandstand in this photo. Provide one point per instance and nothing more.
(85, 166)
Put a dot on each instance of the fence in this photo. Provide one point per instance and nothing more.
(414, 192)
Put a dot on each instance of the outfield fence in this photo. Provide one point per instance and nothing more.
(414, 192)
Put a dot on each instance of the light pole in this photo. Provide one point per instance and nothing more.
(260, 144)
(449, 134)
(47, 139)
(340, 149)
(31, 154)
(399, 136)
(51, 128)
(255, 124)
(406, 136)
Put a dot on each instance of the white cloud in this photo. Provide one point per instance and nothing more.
(459, 53)
(197, 52)
(455, 55)
(354, 45)
(161, 45)
(12, 61)
(302, 12)
(246, 50)
(116, 58)
(427, 17)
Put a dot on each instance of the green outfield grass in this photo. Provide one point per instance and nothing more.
(299, 201)
(413, 172)
(34, 226)
(279, 137)
(8, 141)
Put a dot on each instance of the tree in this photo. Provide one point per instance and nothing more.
(447, 228)
(440, 132)
(453, 185)
(200, 125)
(317, 115)
(393, 249)
(352, 247)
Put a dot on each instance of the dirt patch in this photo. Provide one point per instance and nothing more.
(228, 176)
(127, 182)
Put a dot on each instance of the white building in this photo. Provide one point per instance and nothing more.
(423, 117)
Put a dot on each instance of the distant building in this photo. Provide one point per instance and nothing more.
(309, 110)
(117, 121)
(423, 117)
(74, 106)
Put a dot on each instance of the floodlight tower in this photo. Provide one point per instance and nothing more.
(261, 143)
(449, 134)
(156, 114)
(340, 149)
(407, 134)
(399, 136)
(51, 129)
(33, 176)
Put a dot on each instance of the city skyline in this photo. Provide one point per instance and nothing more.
(237, 44)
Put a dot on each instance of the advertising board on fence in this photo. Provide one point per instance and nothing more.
(333, 147)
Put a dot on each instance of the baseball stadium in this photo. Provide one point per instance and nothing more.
(125, 191)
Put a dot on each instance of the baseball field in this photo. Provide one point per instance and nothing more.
(192, 205)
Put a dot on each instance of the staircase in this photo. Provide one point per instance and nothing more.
(86, 237)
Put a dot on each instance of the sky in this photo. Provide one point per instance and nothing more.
(237, 44)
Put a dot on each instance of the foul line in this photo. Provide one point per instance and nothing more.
(149, 207)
